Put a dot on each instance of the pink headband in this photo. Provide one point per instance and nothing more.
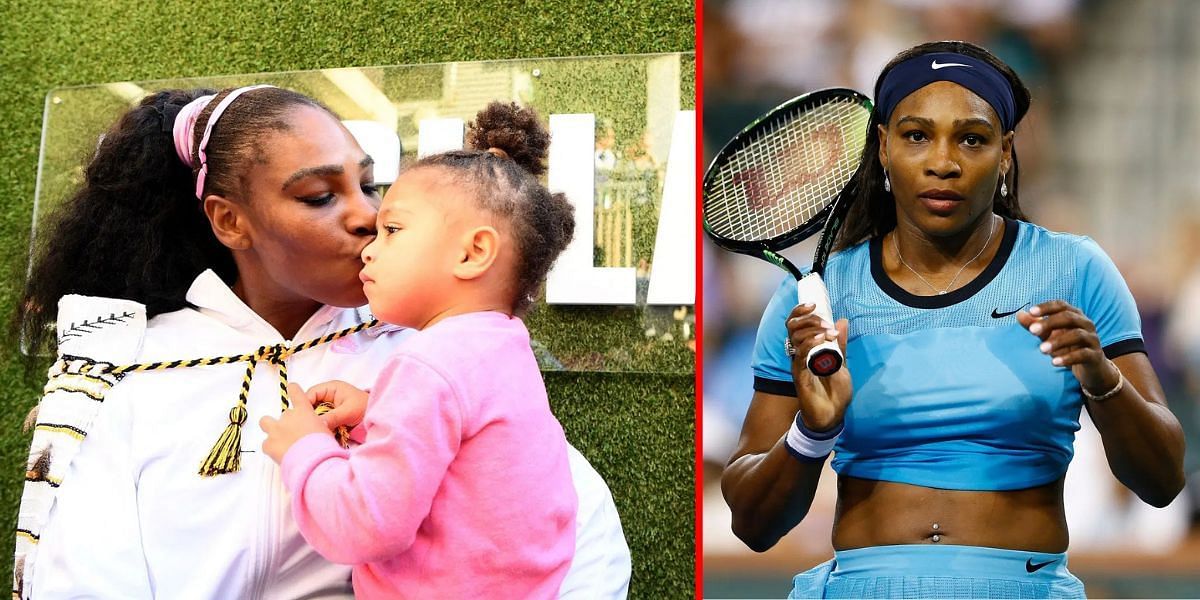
(184, 130)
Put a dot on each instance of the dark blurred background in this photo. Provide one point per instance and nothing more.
(1108, 150)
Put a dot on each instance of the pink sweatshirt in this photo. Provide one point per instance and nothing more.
(461, 487)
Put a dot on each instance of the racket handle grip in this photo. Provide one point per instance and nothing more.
(825, 358)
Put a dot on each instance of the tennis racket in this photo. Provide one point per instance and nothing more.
(782, 179)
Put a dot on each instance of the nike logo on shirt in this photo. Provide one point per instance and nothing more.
(935, 65)
(1031, 567)
(996, 314)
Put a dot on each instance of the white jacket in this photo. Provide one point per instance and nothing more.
(132, 518)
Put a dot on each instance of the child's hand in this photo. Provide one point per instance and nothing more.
(295, 423)
(349, 403)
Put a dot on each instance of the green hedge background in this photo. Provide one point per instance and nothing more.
(637, 429)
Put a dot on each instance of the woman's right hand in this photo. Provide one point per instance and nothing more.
(823, 400)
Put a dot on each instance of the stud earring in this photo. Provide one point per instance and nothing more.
(887, 185)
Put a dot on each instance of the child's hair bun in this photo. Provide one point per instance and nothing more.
(508, 129)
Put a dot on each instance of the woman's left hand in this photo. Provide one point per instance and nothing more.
(1070, 338)
(296, 422)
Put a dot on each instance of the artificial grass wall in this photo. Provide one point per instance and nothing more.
(637, 429)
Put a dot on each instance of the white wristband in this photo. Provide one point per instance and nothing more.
(808, 445)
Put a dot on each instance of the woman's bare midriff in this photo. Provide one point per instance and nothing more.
(881, 513)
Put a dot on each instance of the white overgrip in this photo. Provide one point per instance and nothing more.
(825, 358)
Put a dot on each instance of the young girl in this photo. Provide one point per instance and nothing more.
(461, 485)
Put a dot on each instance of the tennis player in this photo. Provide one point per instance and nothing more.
(973, 338)
(209, 224)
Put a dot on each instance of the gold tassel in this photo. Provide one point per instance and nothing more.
(342, 433)
(226, 455)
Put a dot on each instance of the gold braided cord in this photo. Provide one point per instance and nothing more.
(258, 355)
(283, 383)
(225, 456)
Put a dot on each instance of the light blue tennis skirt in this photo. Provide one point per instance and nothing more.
(935, 571)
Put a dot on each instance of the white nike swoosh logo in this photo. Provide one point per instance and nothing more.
(936, 66)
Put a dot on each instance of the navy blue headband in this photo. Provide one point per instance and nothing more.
(971, 73)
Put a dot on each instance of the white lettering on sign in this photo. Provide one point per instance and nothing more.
(574, 279)
(439, 135)
(572, 170)
(381, 143)
(673, 272)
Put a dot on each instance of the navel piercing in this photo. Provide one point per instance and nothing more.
(935, 526)
(937, 538)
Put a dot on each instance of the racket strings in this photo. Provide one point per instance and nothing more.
(786, 172)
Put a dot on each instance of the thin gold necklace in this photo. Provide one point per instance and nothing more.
(896, 244)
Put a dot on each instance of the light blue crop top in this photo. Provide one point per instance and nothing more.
(950, 391)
